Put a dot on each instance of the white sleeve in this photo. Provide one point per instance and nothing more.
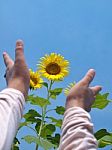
(77, 131)
(11, 109)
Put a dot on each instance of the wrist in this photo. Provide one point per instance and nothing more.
(76, 102)
(20, 86)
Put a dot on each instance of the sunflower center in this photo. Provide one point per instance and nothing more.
(53, 69)
(35, 80)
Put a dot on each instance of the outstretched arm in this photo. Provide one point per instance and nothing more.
(12, 98)
(77, 129)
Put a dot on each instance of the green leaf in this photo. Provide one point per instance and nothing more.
(54, 139)
(47, 145)
(37, 126)
(31, 116)
(48, 129)
(22, 124)
(55, 92)
(33, 113)
(31, 139)
(58, 122)
(37, 121)
(60, 110)
(16, 141)
(104, 138)
(101, 101)
(45, 84)
(15, 145)
(39, 141)
(101, 133)
(105, 141)
(36, 100)
(53, 96)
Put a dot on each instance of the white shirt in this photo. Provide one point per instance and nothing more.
(11, 109)
(77, 131)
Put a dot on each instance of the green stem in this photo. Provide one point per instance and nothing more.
(41, 125)
(45, 108)
(49, 110)
(36, 147)
(44, 112)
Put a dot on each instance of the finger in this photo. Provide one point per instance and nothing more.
(7, 60)
(88, 78)
(96, 89)
(19, 50)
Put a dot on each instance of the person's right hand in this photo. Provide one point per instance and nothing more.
(81, 95)
(17, 73)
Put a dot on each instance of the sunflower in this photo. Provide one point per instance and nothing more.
(53, 67)
(66, 90)
(35, 80)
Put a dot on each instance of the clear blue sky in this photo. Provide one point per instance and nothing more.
(80, 30)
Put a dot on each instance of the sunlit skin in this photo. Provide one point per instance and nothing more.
(17, 73)
(81, 95)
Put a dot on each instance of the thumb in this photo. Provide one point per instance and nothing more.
(7, 60)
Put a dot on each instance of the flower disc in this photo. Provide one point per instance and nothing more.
(53, 69)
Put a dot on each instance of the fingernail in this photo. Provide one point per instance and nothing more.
(4, 53)
(19, 43)
(92, 70)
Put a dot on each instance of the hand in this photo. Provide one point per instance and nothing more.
(81, 95)
(17, 73)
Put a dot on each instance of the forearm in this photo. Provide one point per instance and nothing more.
(77, 131)
(11, 109)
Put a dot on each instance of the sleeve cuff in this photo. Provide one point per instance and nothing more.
(13, 97)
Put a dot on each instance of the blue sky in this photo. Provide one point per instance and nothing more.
(80, 30)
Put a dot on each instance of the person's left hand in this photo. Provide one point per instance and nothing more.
(82, 95)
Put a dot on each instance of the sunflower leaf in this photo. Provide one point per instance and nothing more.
(55, 92)
(32, 116)
(101, 101)
(104, 138)
(36, 100)
(105, 141)
(48, 129)
(22, 124)
(101, 133)
(37, 126)
(54, 139)
(45, 84)
(15, 145)
(60, 110)
(32, 113)
(44, 143)
(58, 122)
(53, 96)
